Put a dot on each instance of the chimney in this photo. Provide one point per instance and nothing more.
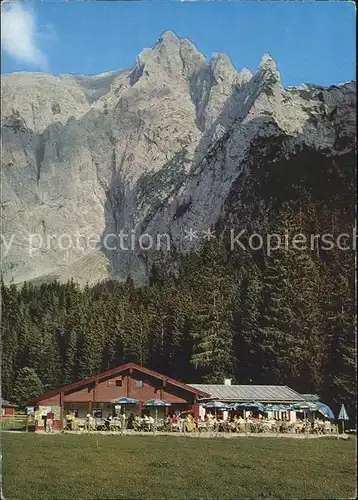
(227, 381)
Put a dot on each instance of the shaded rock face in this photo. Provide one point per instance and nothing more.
(161, 148)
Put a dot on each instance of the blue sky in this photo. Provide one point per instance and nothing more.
(311, 41)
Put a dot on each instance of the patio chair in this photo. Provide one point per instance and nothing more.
(232, 426)
(115, 425)
(301, 428)
(274, 426)
(307, 427)
(90, 425)
(224, 426)
(81, 423)
(201, 426)
(100, 424)
(266, 426)
(291, 428)
(159, 424)
(252, 427)
(75, 425)
(284, 427)
(327, 429)
(146, 426)
(241, 428)
(137, 424)
(259, 427)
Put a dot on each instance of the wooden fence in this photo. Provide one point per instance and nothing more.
(13, 422)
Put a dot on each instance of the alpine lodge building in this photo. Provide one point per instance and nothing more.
(96, 395)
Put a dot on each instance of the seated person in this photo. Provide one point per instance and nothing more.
(210, 419)
(146, 423)
(107, 421)
(136, 423)
(130, 421)
(201, 420)
(189, 423)
(69, 420)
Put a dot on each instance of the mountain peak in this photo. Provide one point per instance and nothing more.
(244, 76)
(268, 70)
(222, 67)
(267, 61)
(168, 37)
(173, 55)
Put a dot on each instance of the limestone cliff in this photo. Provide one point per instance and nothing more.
(160, 148)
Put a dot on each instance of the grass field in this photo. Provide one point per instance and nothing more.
(62, 466)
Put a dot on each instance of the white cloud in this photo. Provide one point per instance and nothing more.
(19, 35)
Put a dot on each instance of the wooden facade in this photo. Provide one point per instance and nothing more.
(7, 409)
(129, 380)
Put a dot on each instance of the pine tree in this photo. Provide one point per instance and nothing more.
(277, 337)
(27, 385)
(9, 339)
(69, 372)
(309, 359)
(213, 341)
(247, 324)
(136, 335)
(340, 322)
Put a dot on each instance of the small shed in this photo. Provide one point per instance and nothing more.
(7, 409)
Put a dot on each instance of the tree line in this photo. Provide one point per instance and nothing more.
(284, 318)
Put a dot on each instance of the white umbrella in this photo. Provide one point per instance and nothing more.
(343, 415)
(156, 403)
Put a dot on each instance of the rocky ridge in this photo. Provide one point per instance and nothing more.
(156, 149)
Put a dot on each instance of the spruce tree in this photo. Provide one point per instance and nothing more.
(27, 385)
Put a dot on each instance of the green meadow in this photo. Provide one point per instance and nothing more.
(63, 466)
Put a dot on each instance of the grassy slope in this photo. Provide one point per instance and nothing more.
(158, 467)
(88, 269)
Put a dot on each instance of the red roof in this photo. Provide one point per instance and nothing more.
(114, 371)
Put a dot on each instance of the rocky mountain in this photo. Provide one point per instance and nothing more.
(176, 143)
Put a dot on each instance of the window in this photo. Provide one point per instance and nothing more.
(97, 412)
(119, 383)
(139, 383)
